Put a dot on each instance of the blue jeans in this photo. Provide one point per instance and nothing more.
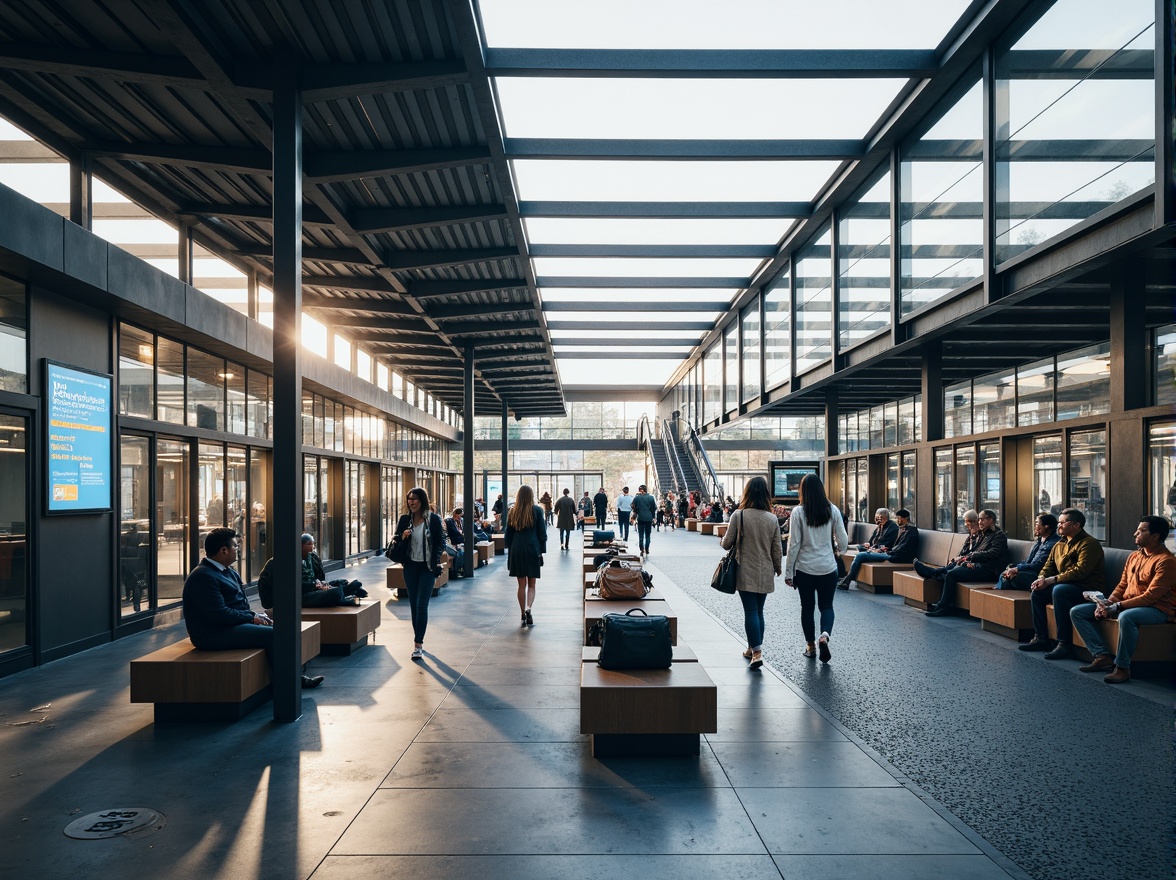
(643, 532)
(1064, 598)
(1130, 620)
(861, 559)
(323, 598)
(819, 590)
(753, 616)
(623, 524)
(419, 581)
(1021, 581)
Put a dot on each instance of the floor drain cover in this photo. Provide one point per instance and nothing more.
(113, 823)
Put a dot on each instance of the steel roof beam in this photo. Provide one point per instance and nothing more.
(357, 164)
(367, 322)
(311, 215)
(426, 289)
(374, 306)
(339, 256)
(173, 71)
(468, 328)
(478, 310)
(358, 283)
(630, 325)
(365, 220)
(404, 260)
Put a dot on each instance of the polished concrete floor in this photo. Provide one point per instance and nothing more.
(469, 764)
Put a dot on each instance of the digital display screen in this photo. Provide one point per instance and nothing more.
(78, 429)
(786, 480)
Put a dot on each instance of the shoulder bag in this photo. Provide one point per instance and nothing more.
(727, 570)
(618, 580)
(635, 640)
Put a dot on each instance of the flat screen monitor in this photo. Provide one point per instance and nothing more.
(786, 479)
(80, 457)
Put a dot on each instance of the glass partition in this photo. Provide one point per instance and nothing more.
(814, 303)
(988, 477)
(994, 402)
(957, 409)
(777, 320)
(712, 383)
(908, 481)
(1161, 467)
(134, 542)
(863, 265)
(14, 519)
(944, 492)
(136, 372)
(1035, 393)
(14, 331)
(206, 390)
(1074, 118)
(893, 491)
(260, 505)
(258, 397)
(1088, 479)
(169, 370)
(965, 482)
(1084, 382)
(731, 362)
(750, 323)
(1048, 486)
(172, 504)
(235, 400)
(1165, 365)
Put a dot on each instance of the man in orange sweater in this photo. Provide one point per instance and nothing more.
(1144, 595)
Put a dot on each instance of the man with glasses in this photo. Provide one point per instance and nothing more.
(1143, 596)
(983, 562)
(902, 548)
(216, 612)
(1074, 567)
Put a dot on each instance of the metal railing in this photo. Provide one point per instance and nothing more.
(645, 440)
(681, 484)
(711, 488)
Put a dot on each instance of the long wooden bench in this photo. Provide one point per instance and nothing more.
(485, 551)
(935, 548)
(594, 611)
(681, 654)
(707, 528)
(692, 525)
(720, 529)
(345, 628)
(1156, 646)
(499, 544)
(396, 578)
(187, 684)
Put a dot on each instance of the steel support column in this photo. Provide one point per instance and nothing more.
(81, 193)
(184, 253)
(1165, 108)
(505, 461)
(467, 467)
(1129, 348)
(287, 417)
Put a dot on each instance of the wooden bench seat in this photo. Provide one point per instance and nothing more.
(1156, 646)
(647, 712)
(935, 548)
(720, 529)
(485, 551)
(499, 544)
(652, 596)
(681, 654)
(187, 684)
(589, 566)
(707, 528)
(692, 525)
(396, 578)
(878, 577)
(594, 611)
(1006, 612)
(345, 628)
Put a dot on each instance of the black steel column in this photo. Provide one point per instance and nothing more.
(505, 461)
(932, 391)
(467, 492)
(287, 418)
(832, 440)
(1165, 108)
(81, 193)
(1129, 348)
(184, 253)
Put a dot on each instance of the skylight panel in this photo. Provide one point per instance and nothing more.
(617, 371)
(676, 109)
(620, 230)
(703, 24)
(666, 181)
(612, 294)
(597, 267)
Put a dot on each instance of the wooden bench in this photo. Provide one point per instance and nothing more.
(1156, 648)
(681, 654)
(692, 525)
(935, 548)
(594, 611)
(499, 544)
(720, 529)
(344, 629)
(652, 596)
(707, 528)
(647, 712)
(187, 684)
(589, 566)
(396, 578)
(485, 550)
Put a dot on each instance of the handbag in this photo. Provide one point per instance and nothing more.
(635, 640)
(727, 570)
(618, 580)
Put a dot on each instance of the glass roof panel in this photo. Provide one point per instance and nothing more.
(658, 181)
(557, 334)
(624, 230)
(618, 371)
(660, 294)
(703, 24)
(557, 267)
(606, 107)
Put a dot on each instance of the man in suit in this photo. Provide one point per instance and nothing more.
(600, 503)
(216, 612)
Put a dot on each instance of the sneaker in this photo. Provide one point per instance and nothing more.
(843, 584)
(418, 652)
(1061, 651)
(1037, 643)
(823, 647)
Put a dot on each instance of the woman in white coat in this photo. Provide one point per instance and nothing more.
(812, 568)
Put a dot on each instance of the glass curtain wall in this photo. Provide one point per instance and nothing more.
(863, 265)
(712, 387)
(260, 507)
(751, 352)
(1088, 479)
(172, 506)
(777, 321)
(134, 542)
(1161, 463)
(1048, 472)
(14, 518)
(14, 331)
(731, 361)
(944, 491)
(814, 303)
(965, 482)
(136, 372)
(988, 477)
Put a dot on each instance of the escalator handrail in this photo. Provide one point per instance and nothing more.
(680, 481)
(699, 452)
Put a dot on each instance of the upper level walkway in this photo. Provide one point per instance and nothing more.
(471, 763)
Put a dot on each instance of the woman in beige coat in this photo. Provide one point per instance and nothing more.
(754, 532)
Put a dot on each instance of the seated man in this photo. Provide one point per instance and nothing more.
(317, 592)
(1020, 575)
(1144, 595)
(453, 530)
(904, 548)
(1074, 567)
(883, 536)
(216, 612)
(457, 569)
(981, 562)
(716, 513)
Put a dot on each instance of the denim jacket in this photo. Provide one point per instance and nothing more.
(1038, 555)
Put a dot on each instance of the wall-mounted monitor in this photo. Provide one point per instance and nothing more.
(78, 430)
(785, 477)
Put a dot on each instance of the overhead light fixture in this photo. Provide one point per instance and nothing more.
(146, 353)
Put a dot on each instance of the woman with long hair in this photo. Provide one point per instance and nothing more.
(526, 542)
(417, 545)
(754, 532)
(812, 568)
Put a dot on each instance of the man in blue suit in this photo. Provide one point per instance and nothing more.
(216, 612)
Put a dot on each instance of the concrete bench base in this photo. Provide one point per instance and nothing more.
(345, 628)
(187, 684)
(647, 712)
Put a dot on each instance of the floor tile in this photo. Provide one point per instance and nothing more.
(515, 724)
(800, 764)
(773, 725)
(547, 867)
(882, 867)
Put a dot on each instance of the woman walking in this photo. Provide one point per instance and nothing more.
(526, 542)
(755, 534)
(812, 569)
(417, 545)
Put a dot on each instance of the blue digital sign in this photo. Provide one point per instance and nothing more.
(78, 415)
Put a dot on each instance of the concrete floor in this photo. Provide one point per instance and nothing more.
(471, 763)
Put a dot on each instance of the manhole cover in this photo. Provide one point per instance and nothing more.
(112, 823)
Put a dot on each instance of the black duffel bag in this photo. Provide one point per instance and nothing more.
(635, 640)
(603, 536)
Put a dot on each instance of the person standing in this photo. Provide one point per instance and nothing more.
(671, 509)
(645, 509)
(498, 510)
(812, 569)
(545, 503)
(683, 509)
(600, 503)
(565, 517)
(624, 508)
(584, 508)
(417, 545)
(755, 533)
(526, 542)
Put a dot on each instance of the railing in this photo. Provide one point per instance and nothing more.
(712, 489)
(645, 440)
(681, 484)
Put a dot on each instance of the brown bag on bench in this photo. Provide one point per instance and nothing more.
(619, 581)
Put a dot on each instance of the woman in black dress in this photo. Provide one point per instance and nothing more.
(526, 542)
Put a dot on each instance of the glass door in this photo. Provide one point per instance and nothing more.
(135, 560)
(172, 499)
(14, 549)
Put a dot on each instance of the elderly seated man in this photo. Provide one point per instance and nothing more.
(1144, 595)
(904, 548)
(1021, 575)
(982, 559)
(884, 534)
(317, 591)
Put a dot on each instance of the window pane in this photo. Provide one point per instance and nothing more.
(1162, 473)
(942, 186)
(777, 307)
(731, 349)
(957, 410)
(310, 497)
(257, 409)
(172, 503)
(14, 360)
(908, 481)
(863, 265)
(235, 398)
(260, 503)
(965, 482)
(169, 367)
(944, 494)
(1166, 365)
(892, 488)
(1035, 393)
(236, 480)
(1073, 138)
(989, 476)
(134, 543)
(994, 402)
(876, 427)
(1088, 479)
(206, 390)
(712, 374)
(814, 303)
(1084, 382)
(136, 372)
(1047, 474)
(751, 352)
